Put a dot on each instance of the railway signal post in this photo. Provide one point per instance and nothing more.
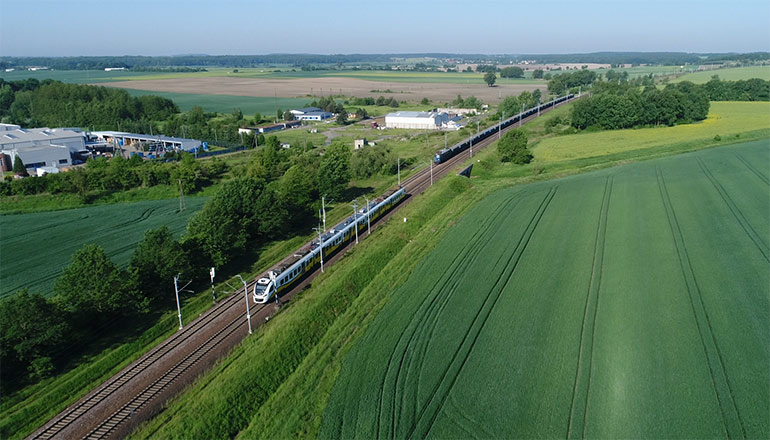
(246, 295)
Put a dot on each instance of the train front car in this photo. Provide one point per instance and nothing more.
(263, 290)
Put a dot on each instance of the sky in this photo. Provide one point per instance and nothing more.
(234, 27)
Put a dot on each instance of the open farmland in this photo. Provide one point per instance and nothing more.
(732, 74)
(627, 302)
(303, 87)
(226, 103)
(37, 246)
(728, 120)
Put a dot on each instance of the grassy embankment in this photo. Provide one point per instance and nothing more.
(291, 401)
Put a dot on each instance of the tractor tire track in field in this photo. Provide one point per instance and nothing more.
(427, 416)
(431, 323)
(751, 168)
(450, 276)
(578, 413)
(723, 392)
(747, 228)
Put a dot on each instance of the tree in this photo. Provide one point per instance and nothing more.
(155, 262)
(278, 114)
(537, 74)
(513, 147)
(228, 220)
(512, 72)
(288, 115)
(490, 78)
(425, 101)
(237, 115)
(18, 166)
(342, 118)
(334, 171)
(94, 289)
(361, 113)
(31, 330)
(257, 118)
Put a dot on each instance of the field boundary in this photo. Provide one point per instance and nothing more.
(731, 417)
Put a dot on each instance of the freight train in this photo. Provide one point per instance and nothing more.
(302, 262)
(447, 153)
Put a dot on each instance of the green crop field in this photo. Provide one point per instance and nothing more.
(627, 302)
(226, 103)
(36, 247)
(725, 119)
(732, 74)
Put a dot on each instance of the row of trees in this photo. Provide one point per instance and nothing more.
(52, 103)
(119, 174)
(563, 82)
(673, 105)
(512, 105)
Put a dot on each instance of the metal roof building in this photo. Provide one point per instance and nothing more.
(416, 120)
(166, 142)
(40, 147)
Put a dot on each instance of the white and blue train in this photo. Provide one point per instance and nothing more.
(306, 259)
(447, 153)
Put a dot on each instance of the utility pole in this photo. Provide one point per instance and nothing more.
(399, 171)
(538, 108)
(500, 127)
(323, 211)
(431, 170)
(178, 307)
(320, 244)
(368, 218)
(521, 115)
(355, 219)
(181, 196)
(246, 295)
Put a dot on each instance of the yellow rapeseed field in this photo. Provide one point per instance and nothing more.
(725, 119)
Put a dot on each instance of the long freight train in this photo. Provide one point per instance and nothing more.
(303, 261)
(447, 153)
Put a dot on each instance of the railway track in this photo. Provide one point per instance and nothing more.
(138, 391)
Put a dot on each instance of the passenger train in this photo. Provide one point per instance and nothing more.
(303, 261)
(447, 153)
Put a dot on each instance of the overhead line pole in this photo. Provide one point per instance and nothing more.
(246, 295)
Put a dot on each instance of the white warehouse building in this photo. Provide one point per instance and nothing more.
(416, 120)
(41, 147)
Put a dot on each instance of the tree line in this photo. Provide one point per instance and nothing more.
(118, 174)
(52, 103)
(624, 104)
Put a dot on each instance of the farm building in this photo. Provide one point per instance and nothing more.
(167, 143)
(311, 114)
(39, 147)
(416, 120)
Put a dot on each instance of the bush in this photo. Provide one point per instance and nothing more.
(513, 147)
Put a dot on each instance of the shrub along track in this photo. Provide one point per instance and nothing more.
(138, 392)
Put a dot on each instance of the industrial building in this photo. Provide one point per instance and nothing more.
(310, 114)
(165, 143)
(41, 147)
(416, 120)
